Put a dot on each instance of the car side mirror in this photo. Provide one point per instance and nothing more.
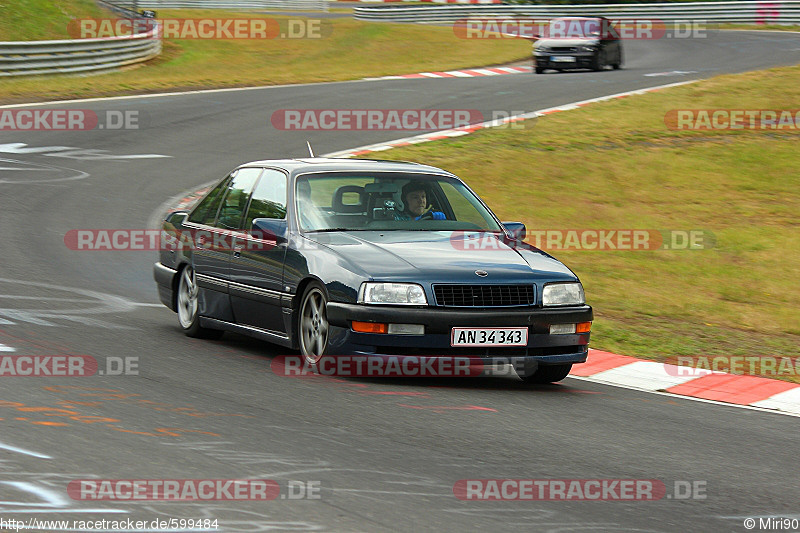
(177, 218)
(515, 230)
(269, 229)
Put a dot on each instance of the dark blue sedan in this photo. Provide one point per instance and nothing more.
(370, 258)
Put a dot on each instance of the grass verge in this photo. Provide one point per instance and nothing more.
(349, 49)
(36, 20)
(616, 165)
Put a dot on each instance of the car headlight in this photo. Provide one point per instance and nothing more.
(392, 293)
(540, 50)
(563, 294)
(588, 48)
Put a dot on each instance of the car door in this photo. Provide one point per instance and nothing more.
(256, 287)
(212, 226)
(208, 264)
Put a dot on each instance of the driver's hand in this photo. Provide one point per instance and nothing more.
(424, 213)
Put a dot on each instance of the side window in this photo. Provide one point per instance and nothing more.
(269, 198)
(206, 210)
(236, 197)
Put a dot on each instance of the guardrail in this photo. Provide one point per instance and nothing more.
(249, 5)
(787, 12)
(78, 55)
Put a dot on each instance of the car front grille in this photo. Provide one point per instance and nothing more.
(484, 295)
(562, 49)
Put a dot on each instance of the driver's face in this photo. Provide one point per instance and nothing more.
(417, 202)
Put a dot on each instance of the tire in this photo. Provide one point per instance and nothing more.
(548, 374)
(312, 324)
(598, 61)
(618, 64)
(539, 70)
(187, 306)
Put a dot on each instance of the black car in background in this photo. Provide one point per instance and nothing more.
(321, 255)
(578, 43)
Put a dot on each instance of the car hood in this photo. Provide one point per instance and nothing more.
(567, 42)
(442, 256)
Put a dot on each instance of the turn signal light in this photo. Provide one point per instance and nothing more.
(370, 327)
(583, 327)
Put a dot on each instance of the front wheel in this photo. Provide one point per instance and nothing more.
(539, 70)
(598, 61)
(188, 293)
(547, 374)
(313, 324)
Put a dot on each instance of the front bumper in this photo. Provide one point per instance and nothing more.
(165, 277)
(542, 348)
(582, 60)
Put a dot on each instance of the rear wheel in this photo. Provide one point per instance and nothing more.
(618, 63)
(188, 297)
(313, 324)
(547, 374)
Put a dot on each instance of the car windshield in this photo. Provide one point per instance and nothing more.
(387, 201)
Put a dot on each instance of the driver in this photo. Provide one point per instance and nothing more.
(415, 200)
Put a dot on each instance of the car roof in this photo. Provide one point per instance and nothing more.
(581, 18)
(329, 164)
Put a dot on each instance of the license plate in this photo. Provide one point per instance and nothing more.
(562, 59)
(489, 337)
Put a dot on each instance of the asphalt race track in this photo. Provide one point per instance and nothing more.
(385, 454)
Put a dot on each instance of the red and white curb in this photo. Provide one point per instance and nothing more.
(633, 373)
(466, 130)
(465, 73)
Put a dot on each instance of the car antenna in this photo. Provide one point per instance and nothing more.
(310, 150)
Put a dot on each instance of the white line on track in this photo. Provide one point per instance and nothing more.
(23, 451)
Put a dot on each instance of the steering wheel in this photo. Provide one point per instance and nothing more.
(429, 215)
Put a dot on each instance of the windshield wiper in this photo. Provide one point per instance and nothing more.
(325, 230)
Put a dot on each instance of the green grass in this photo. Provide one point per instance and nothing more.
(35, 20)
(349, 50)
(616, 165)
